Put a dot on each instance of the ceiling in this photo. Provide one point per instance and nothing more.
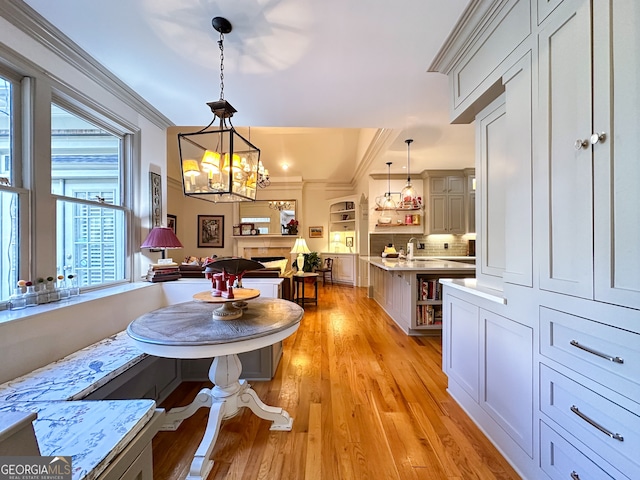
(314, 79)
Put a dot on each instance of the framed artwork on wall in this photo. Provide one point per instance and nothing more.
(155, 199)
(316, 232)
(210, 231)
(172, 223)
(349, 241)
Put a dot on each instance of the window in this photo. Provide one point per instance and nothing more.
(86, 166)
(10, 195)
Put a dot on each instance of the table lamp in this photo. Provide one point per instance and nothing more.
(300, 247)
(161, 238)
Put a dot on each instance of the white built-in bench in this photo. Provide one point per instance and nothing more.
(107, 439)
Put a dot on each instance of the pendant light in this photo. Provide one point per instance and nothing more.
(218, 164)
(408, 195)
(389, 203)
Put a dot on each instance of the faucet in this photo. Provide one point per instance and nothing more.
(410, 248)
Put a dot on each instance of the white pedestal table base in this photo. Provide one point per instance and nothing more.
(224, 400)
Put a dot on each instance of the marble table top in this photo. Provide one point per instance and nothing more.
(77, 375)
(93, 433)
(187, 330)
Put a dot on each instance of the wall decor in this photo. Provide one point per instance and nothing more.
(316, 232)
(245, 228)
(236, 230)
(210, 231)
(172, 223)
(349, 241)
(155, 199)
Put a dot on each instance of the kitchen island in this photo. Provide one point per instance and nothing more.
(410, 290)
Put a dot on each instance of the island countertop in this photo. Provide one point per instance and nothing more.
(419, 265)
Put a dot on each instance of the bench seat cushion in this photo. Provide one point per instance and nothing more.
(93, 433)
(77, 375)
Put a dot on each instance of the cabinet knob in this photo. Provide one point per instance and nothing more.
(580, 144)
(598, 137)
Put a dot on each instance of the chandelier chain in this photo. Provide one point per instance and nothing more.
(221, 45)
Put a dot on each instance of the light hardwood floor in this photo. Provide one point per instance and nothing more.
(368, 402)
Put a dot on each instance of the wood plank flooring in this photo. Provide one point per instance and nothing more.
(368, 402)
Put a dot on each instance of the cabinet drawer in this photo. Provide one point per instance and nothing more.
(606, 354)
(560, 459)
(603, 426)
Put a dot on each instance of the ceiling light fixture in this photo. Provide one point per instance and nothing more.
(408, 195)
(389, 203)
(218, 164)
(280, 205)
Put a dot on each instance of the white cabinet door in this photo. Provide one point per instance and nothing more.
(616, 183)
(447, 204)
(506, 389)
(461, 340)
(566, 234)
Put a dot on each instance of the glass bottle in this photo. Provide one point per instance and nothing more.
(52, 291)
(42, 293)
(63, 291)
(31, 297)
(73, 286)
(17, 301)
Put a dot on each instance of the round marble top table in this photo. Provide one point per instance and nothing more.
(188, 330)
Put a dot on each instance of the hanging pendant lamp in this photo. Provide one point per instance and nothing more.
(389, 203)
(218, 164)
(408, 195)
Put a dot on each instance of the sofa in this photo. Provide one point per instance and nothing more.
(275, 267)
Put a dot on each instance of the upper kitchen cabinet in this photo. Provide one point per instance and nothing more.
(588, 126)
(447, 202)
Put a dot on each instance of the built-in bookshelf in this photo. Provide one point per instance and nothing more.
(428, 312)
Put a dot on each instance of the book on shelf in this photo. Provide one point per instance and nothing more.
(428, 315)
(429, 289)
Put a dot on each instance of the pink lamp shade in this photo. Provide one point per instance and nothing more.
(161, 238)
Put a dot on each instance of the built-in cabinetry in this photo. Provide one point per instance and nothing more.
(413, 296)
(591, 137)
(447, 203)
(344, 267)
(489, 361)
(344, 224)
(552, 87)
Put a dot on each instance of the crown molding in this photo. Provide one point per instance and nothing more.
(26, 19)
(475, 19)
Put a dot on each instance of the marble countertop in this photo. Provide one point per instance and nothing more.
(423, 264)
(77, 375)
(92, 433)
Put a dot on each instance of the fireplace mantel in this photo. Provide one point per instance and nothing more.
(264, 245)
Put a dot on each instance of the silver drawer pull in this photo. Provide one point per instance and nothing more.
(597, 353)
(575, 476)
(615, 436)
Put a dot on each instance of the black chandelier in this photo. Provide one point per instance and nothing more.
(218, 164)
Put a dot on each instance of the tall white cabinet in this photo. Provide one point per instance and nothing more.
(544, 351)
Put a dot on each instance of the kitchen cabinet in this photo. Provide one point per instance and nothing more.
(410, 292)
(344, 267)
(447, 204)
(589, 125)
(489, 361)
(561, 214)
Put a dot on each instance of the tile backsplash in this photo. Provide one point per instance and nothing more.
(434, 244)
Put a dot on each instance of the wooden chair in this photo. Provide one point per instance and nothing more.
(326, 269)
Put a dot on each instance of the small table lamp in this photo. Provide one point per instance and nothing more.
(161, 238)
(300, 247)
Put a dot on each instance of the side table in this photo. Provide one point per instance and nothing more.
(299, 281)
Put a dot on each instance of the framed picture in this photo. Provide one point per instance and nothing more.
(349, 241)
(155, 199)
(349, 206)
(172, 223)
(245, 228)
(210, 231)
(316, 232)
(236, 230)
